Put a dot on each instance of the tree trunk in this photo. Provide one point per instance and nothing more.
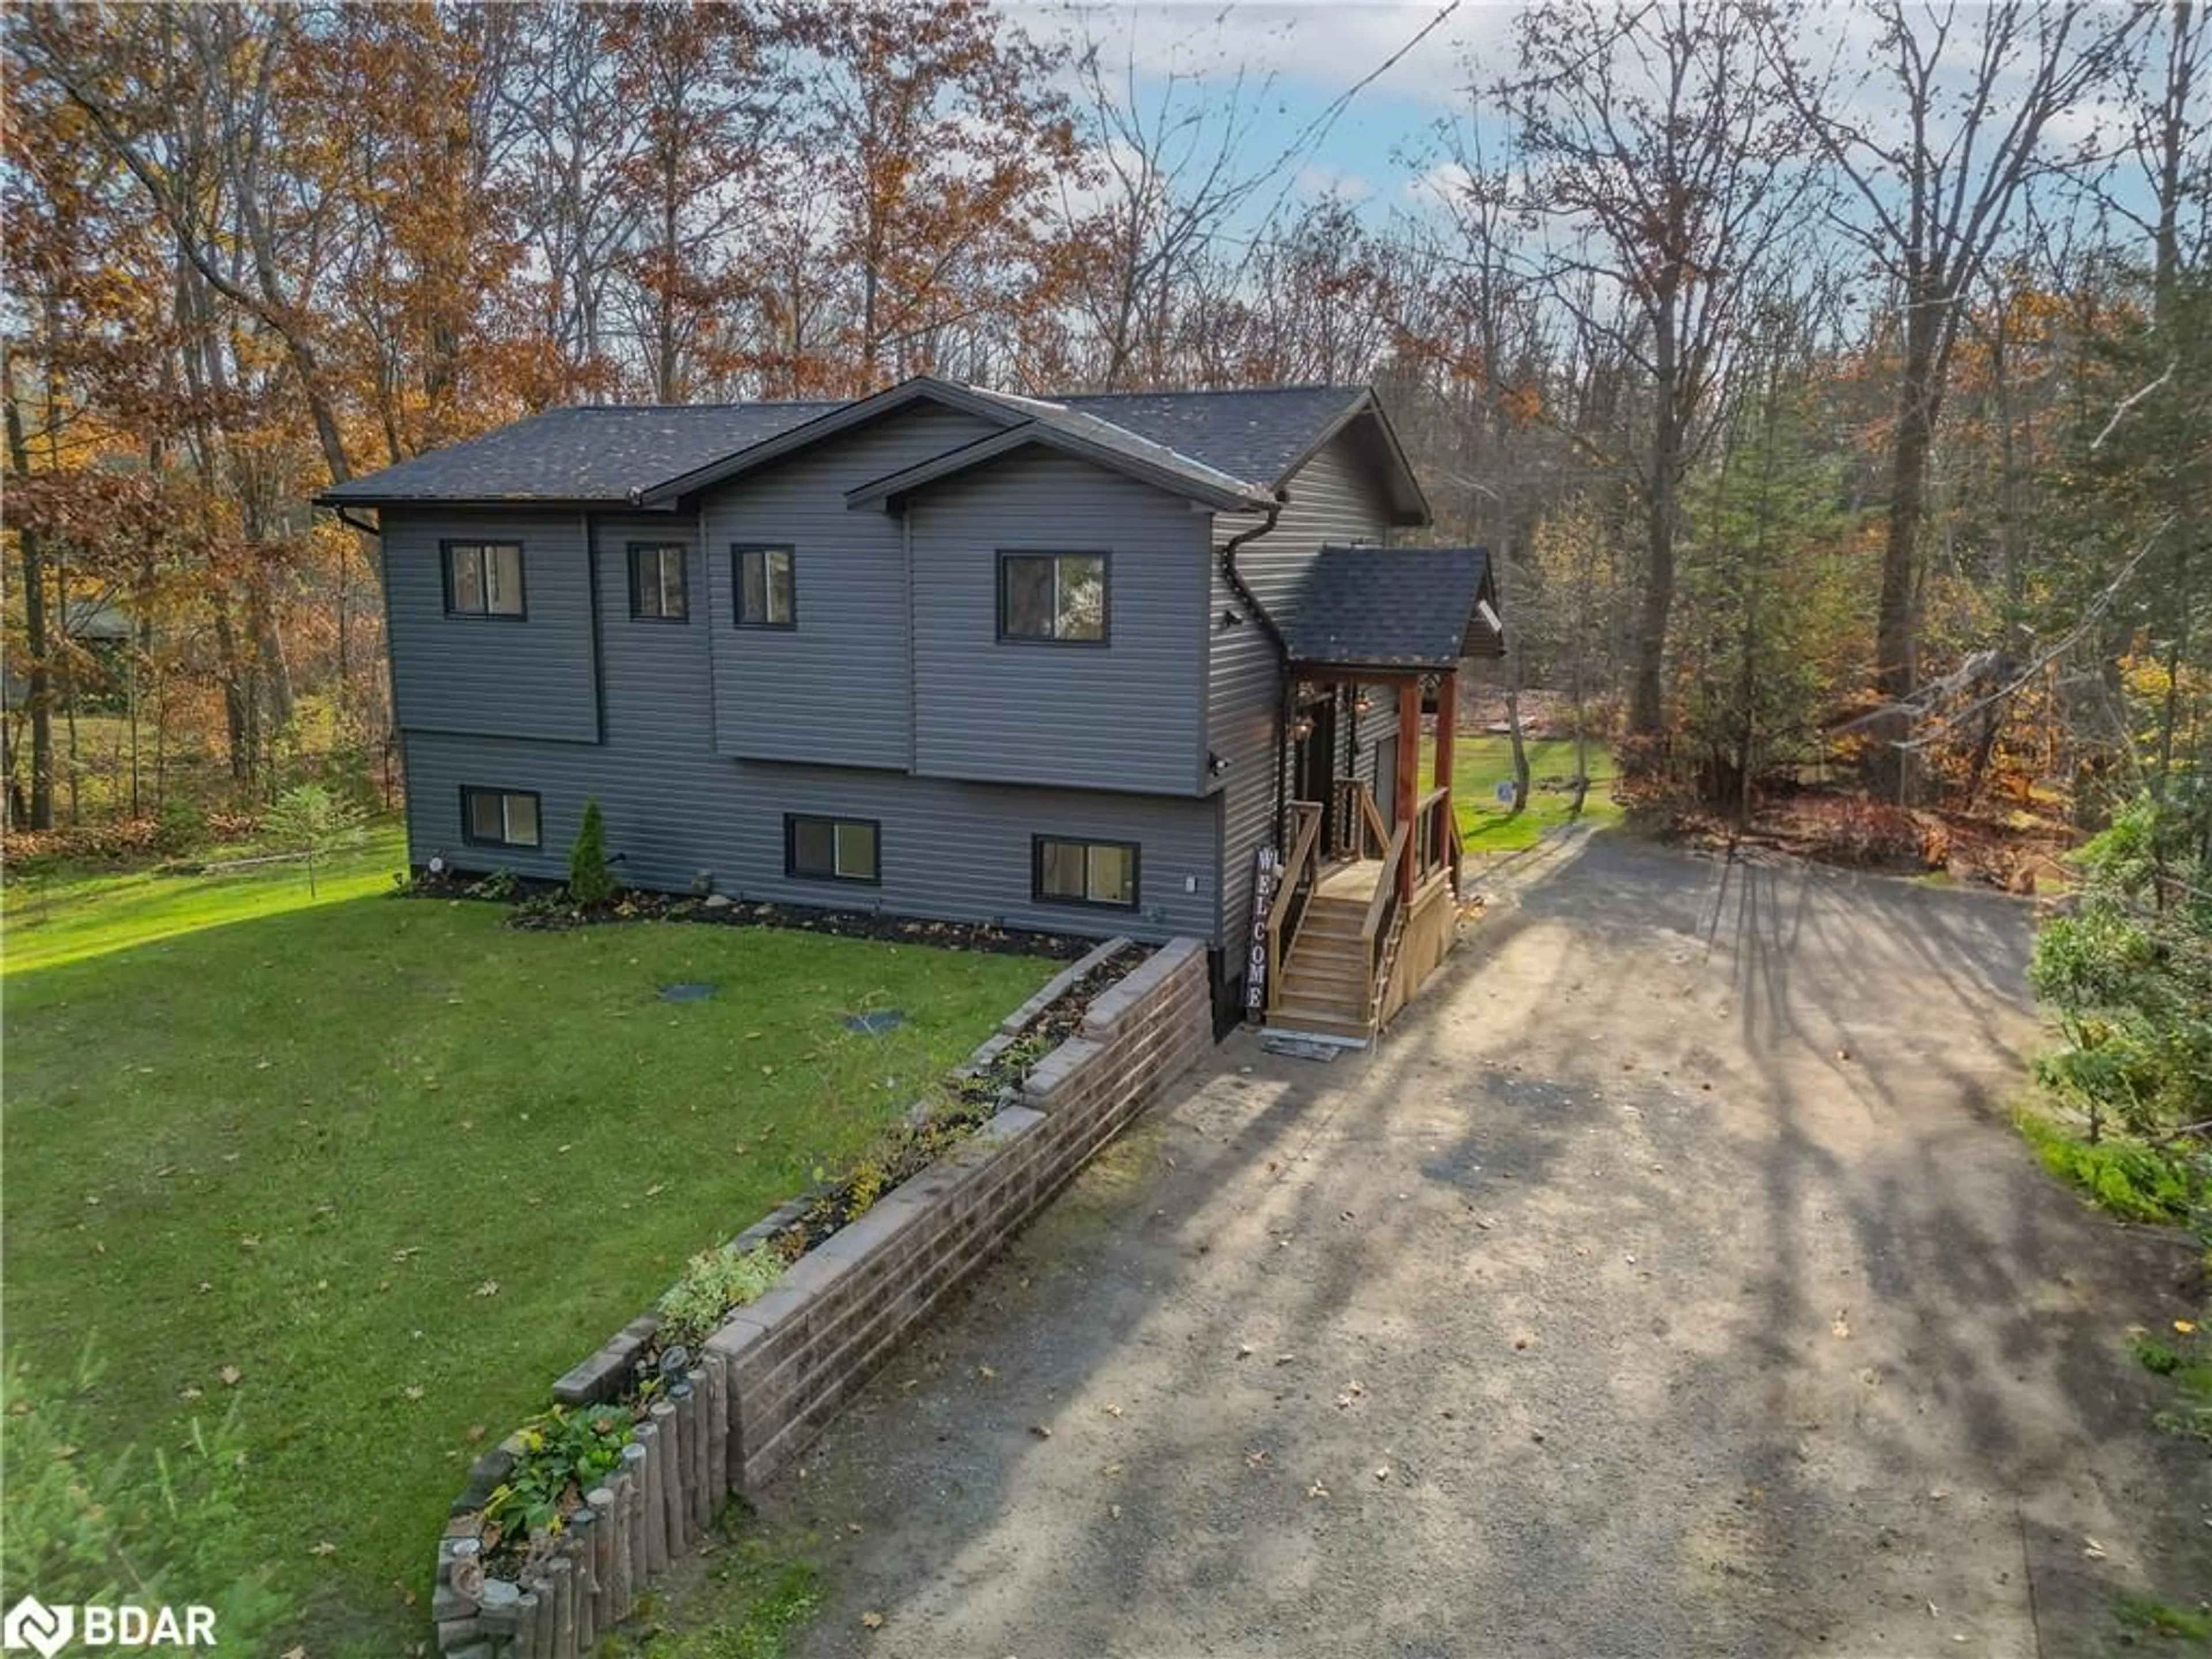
(37, 676)
(1896, 671)
(1647, 712)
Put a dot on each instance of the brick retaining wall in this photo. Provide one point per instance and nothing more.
(771, 1378)
(801, 1352)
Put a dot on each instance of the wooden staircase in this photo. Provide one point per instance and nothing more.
(1329, 987)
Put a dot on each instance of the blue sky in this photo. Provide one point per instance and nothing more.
(1311, 53)
(1307, 55)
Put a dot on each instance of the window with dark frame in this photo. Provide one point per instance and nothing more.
(1059, 596)
(762, 579)
(832, 849)
(1097, 872)
(484, 579)
(657, 591)
(500, 818)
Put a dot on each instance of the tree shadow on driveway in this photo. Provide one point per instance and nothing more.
(1665, 1282)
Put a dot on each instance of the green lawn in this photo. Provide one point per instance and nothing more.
(394, 1167)
(1480, 763)
(71, 914)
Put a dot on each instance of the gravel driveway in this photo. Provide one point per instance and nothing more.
(1670, 1282)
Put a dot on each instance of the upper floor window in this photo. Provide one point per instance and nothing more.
(1103, 873)
(484, 579)
(1053, 596)
(656, 581)
(765, 597)
(499, 817)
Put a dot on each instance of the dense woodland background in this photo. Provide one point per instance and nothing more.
(1830, 383)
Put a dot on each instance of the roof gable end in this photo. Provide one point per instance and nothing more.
(988, 406)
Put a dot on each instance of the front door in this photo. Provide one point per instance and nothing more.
(1316, 765)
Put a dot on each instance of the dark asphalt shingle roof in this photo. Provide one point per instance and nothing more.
(603, 453)
(1395, 607)
(597, 452)
(1257, 435)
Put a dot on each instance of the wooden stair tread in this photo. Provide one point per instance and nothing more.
(1292, 1018)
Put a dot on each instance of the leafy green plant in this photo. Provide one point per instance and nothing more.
(2161, 1619)
(311, 818)
(83, 1521)
(2157, 1357)
(564, 1453)
(590, 879)
(2130, 974)
(715, 1285)
(2134, 1181)
(499, 885)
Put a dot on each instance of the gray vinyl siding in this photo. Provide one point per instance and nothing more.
(493, 675)
(956, 851)
(1332, 500)
(1126, 714)
(675, 809)
(836, 689)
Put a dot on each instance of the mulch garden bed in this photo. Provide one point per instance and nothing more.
(541, 905)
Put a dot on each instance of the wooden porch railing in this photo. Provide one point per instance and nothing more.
(1289, 908)
(1360, 831)
(1437, 845)
(1382, 909)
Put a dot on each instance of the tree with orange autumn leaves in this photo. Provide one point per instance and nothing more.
(255, 247)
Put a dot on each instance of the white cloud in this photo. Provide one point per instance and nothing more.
(1315, 182)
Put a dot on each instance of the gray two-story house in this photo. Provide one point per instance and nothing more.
(951, 653)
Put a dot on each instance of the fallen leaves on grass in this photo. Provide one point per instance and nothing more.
(871, 1620)
(325, 1547)
(490, 1287)
(1317, 1490)
(231, 1375)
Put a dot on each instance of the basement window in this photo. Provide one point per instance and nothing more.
(499, 817)
(832, 849)
(1099, 872)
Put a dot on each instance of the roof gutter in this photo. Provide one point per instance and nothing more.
(1273, 629)
(352, 523)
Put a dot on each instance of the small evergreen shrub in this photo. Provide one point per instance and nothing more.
(590, 879)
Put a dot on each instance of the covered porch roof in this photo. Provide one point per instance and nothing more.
(1394, 611)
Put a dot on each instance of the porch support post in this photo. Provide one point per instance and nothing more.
(1409, 774)
(1447, 727)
